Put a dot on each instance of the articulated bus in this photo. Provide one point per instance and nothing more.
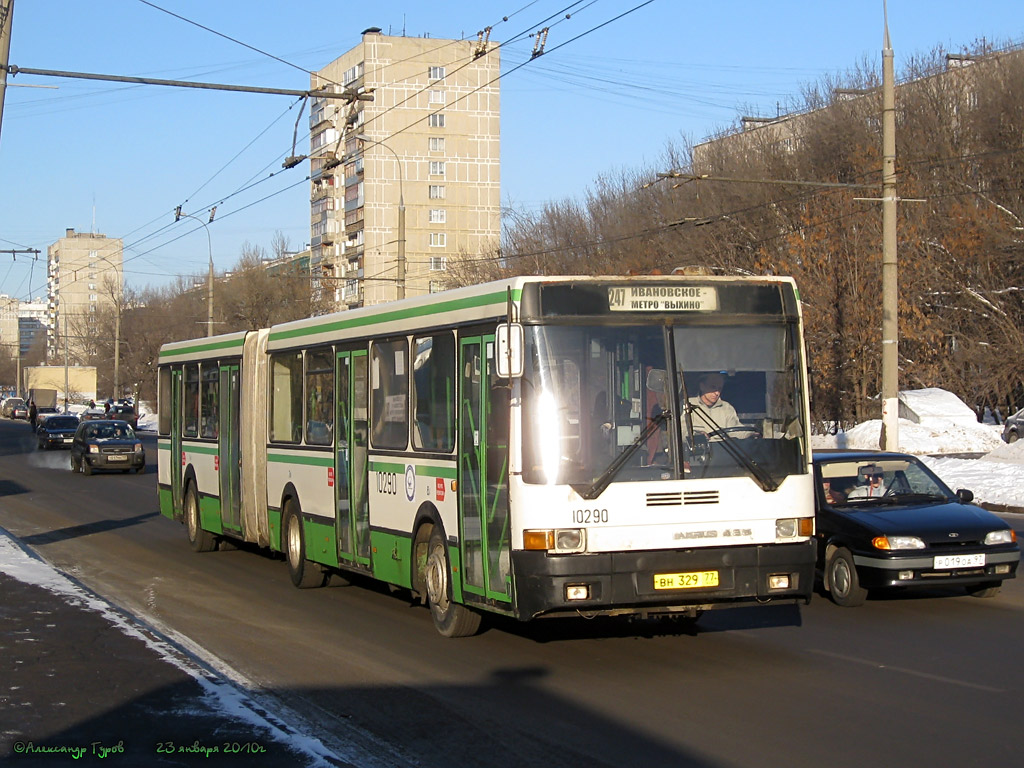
(530, 447)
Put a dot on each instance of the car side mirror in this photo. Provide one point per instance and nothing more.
(965, 496)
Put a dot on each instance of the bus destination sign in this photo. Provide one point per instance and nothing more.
(662, 298)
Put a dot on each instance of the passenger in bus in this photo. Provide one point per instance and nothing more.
(708, 411)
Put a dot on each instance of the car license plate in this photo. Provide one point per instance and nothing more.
(947, 562)
(686, 580)
(69, 439)
(117, 458)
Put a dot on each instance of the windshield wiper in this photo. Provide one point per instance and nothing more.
(761, 476)
(598, 487)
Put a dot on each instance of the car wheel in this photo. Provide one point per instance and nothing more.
(450, 618)
(987, 589)
(1012, 437)
(199, 539)
(86, 466)
(303, 573)
(843, 582)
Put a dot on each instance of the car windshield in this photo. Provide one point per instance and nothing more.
(110, 432)
(61, 422)
(847, 482)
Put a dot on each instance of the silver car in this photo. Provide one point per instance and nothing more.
(1013, 426)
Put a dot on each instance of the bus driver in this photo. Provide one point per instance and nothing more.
(709, 411)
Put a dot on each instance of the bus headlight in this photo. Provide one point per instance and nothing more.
(559, 540)
(791, 527)
(570, 540)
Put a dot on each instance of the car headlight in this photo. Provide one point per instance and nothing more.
(897, 542)
(94, 449)
(1007, 536)
(138, 447)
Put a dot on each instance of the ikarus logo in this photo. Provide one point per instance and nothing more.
(410, 482)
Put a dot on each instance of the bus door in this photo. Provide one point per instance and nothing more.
(229, 458)
(351, 432)
(483, 472)
(174, 465)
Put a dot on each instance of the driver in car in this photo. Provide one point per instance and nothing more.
(708, 410)
(871, 483)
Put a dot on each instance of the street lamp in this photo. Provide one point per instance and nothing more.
(178, 214)
(401, 213)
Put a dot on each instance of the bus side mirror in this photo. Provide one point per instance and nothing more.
(509, 338)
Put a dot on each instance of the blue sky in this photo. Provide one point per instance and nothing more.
(117, 159)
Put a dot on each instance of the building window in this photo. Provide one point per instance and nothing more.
(437, 192)
(438, 216)
(437, 144)
(438, 263)
(436, 97)
(437, 168)
(437, 120)
(436, 73)
(438, 239)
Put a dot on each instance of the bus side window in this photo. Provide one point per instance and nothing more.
(389, 394)
(434, 393)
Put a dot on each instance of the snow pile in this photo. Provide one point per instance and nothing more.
(993, 482)
(935, 407)
(938, 436)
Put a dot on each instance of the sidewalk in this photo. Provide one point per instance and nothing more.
(83, 682)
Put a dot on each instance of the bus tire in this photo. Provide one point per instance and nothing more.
(843, 582)
(450, 618)
(303, 573)
(200, 540)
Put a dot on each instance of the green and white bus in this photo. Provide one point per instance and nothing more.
(530, 447)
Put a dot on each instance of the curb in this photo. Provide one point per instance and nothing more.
(1001, 508)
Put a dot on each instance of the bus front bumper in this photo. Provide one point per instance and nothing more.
(627, 582)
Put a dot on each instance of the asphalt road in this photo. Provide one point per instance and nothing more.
(903, 681)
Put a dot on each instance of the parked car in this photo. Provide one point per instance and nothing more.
(9, 404)
(106, 444)
(124, 413)
(19, 411)
(885, 520)
(1013, 427)
(57, 431)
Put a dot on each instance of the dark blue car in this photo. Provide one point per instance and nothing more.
(56, 431)
(884, 520)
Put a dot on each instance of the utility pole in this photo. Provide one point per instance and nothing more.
(890, 437)
(6, 19)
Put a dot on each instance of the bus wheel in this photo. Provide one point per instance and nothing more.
(303, 573)
(200, 540)
(450, 618)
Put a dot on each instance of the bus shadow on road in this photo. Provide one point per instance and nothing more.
(86, 529)
(11, 488)
(548, 630)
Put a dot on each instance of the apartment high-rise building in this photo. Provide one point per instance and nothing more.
(84, 276)
(415, 137)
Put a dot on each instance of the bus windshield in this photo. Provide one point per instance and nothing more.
(661, 402)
